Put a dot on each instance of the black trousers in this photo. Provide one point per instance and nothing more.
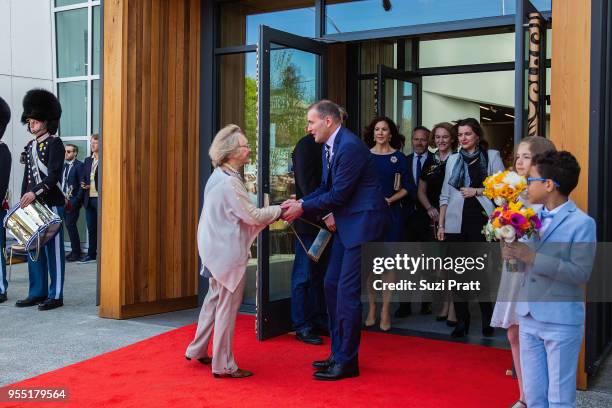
(71, 218)
(472, 222)
(91, 215)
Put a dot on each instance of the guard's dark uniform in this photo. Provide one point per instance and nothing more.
(44, 161)
(5, 174)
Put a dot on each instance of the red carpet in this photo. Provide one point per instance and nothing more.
(396, 371)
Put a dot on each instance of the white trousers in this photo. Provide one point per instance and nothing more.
(219, 310)
(549, 359)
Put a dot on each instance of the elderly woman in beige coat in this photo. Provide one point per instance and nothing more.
(228, 226)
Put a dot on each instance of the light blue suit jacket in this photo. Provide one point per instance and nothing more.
(563, 264)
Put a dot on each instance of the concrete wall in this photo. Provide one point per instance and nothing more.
(26, 62)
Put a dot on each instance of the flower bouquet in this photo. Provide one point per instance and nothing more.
(510, 222)
(504, 187)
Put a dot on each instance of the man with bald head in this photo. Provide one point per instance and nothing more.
(352, 204)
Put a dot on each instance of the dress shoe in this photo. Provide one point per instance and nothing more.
(385, 323)
(239, 373)
(461, 329)
(51, 304)
(426, 308)
(87, 259)
(308, 337)
(441, 318)
(451, 323)
(2, 297)
(27, 302)
(72, 258)
(405, 309)
(338, 372)
(323, 364)
(203, 360)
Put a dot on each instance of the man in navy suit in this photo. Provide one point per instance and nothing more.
(71, 187)
(418, 228)
(351, 200)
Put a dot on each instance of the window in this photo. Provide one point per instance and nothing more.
(344, 16)
(71, 37)
(240, 21)
(77, 31)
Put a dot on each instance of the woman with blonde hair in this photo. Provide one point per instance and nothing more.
(228, 225)
(504, 314)
(444, 139)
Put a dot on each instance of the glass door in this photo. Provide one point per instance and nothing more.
(397, 98)
(291, 77)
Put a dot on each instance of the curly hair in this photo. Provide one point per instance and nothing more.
(397, 139)
(559, 166)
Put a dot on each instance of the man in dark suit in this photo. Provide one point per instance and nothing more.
(418, 227)
(71, 187)
(5, 175)
(308, 311)
(352, 202)
(90, 194)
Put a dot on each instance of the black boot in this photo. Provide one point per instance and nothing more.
(461, 329)
(405, 309)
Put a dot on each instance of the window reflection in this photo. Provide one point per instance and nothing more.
(71, 33)
(73, 97)
(348, 16)
(292, 89)
(240, 20)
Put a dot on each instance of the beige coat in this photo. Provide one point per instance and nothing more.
(228, 225)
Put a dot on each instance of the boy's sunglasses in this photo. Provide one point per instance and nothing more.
(530, 179)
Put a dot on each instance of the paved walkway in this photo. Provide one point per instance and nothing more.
(34, 342)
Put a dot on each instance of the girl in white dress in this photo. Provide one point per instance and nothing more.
(504, 314)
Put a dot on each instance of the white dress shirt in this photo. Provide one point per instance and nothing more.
(548, 220)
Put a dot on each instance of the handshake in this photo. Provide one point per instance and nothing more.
(291, 210)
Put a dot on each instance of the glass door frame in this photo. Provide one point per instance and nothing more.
(384, 73)
(274, 317)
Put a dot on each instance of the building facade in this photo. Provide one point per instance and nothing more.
(175, 72)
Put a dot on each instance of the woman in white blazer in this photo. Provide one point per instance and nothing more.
(463, 207)
(228, 225)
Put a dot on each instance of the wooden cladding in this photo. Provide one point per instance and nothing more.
(570, 100)
(150, 160)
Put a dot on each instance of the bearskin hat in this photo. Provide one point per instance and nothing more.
(42, 105)
(5, 116)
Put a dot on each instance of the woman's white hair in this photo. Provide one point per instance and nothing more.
(226, 141)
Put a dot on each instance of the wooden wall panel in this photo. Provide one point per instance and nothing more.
(569, 111)
(150, 159)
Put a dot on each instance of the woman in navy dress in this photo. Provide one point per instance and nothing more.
(385, 141)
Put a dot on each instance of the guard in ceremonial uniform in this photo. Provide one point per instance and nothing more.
(5, 174)
(44, 161)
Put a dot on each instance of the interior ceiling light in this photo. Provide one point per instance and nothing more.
(484, 107)
(387, 5)
(509, 115)
(485, 118)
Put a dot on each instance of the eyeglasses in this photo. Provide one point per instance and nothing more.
(248, 146)
(530, 179)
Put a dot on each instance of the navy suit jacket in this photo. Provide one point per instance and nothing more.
(411, 201)
(353, 193)
(74, 181)
(85, 178)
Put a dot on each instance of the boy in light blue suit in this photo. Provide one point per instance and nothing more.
(558, 265)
